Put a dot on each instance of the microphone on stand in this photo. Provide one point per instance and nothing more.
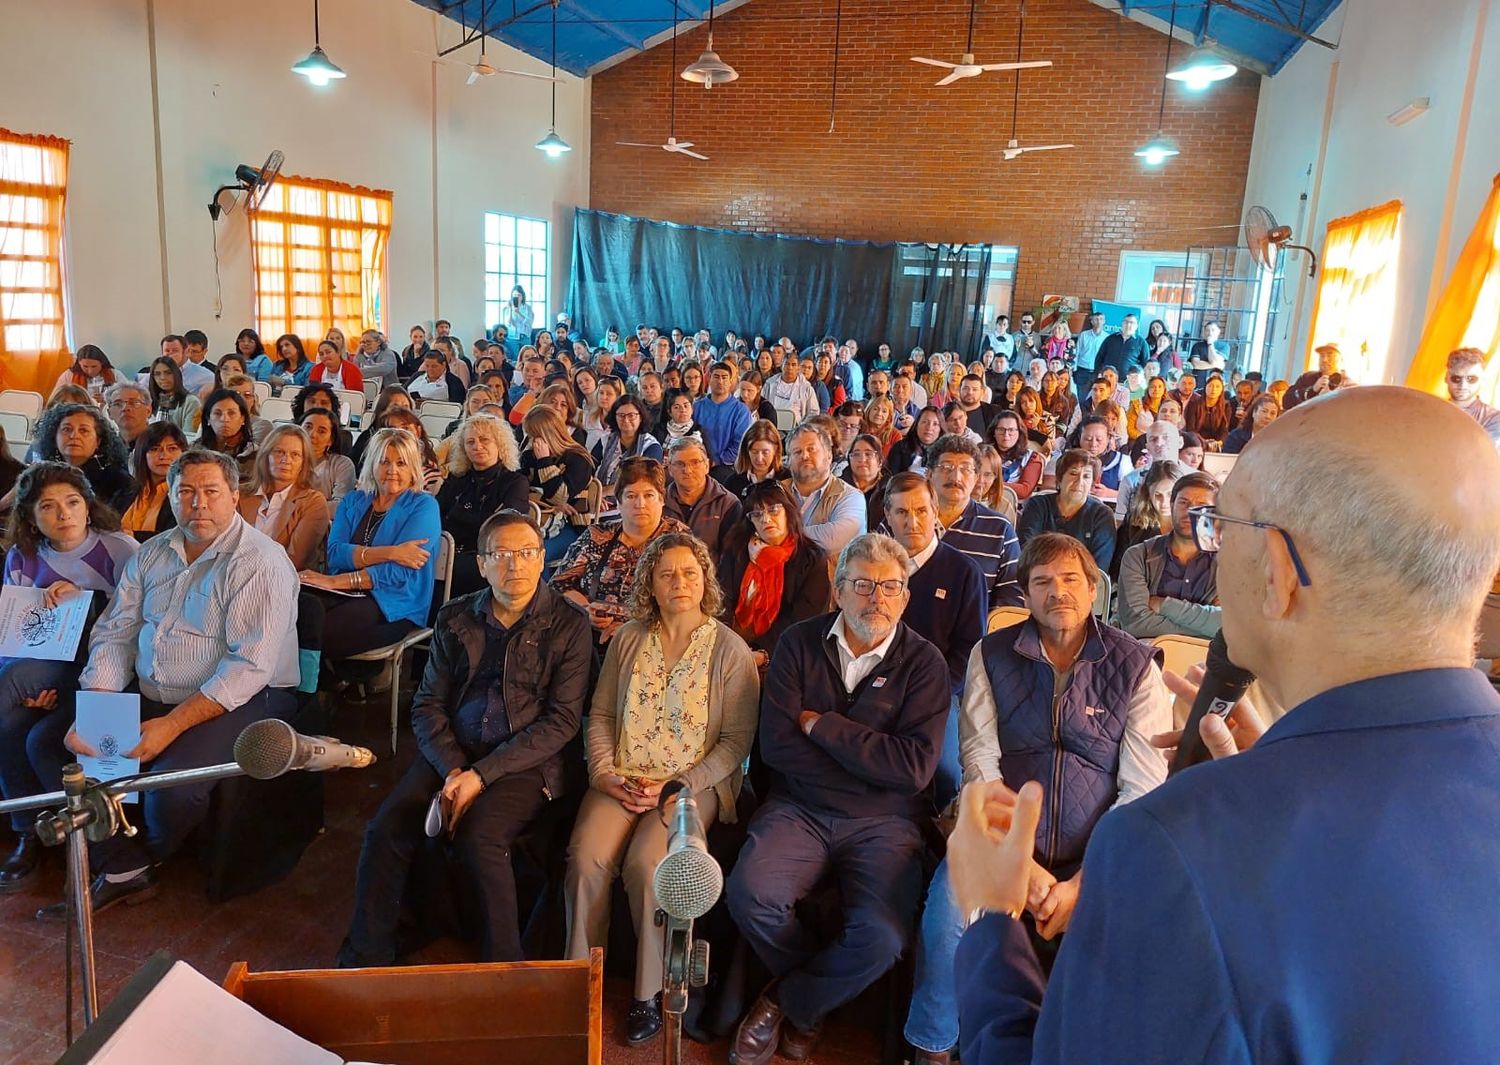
(687, 880)
(270, 748)
(1224, 684)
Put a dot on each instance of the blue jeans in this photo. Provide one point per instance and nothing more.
(556, 546)
(932, 1020)
(948, 779)
(28, 736)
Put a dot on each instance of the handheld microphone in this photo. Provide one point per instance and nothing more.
(1224, 684)
(687, 880)
(269, 748)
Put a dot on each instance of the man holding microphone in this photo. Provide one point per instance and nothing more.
(1329, 894)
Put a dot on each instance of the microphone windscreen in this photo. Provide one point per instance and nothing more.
(688, 882)
(1218, 663)
(266, 748)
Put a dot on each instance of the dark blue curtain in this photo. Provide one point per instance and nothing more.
(628, 271)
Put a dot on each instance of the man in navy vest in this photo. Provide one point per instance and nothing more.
(1328, 894)
(1064, 700)
(851, 724)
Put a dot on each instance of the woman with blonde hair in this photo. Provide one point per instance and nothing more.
(989, 486)
(1150, 512)
(281, 500)
(880, 422)
(483, 477)
(558, 470)
(1060, 344)
(677, 702)
(1142, 411)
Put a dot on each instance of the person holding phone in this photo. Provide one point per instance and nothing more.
(520, 320)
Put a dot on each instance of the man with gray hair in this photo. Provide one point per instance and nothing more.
(833, 511)
(375, 359)
(851, 725)
(1163, 444)
(129, 407)
(204, 622)
(696, 499)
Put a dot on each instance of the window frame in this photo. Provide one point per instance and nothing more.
(33, 365)
(493, 251)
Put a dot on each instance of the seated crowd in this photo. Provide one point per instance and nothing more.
(730, 566)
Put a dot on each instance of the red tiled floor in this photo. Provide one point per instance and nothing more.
(295, 924)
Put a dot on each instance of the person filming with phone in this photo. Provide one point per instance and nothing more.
(1328, 893)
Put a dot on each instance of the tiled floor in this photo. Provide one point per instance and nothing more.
(295, 924)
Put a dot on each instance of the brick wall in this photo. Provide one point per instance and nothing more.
(907, 161)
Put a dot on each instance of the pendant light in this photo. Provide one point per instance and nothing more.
(552, 144)
(1201, 69)
(317, 68)
(1160, 148)
(709, 70)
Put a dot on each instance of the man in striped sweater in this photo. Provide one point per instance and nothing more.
(963, 522)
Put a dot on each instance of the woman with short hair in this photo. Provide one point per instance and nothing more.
(626, 438)
(78, 434)
(483, 478)
(281, 500)
(677, 701)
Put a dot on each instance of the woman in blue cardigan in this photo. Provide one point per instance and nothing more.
(383, 542)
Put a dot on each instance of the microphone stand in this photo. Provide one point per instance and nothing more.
(87, 811)
(685, 967)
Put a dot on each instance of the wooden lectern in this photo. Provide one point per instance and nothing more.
(541, 1013)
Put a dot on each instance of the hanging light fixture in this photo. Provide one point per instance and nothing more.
(1160, 148)
(709, 70)
(1201, 69)
(317, 68)
(552, 144)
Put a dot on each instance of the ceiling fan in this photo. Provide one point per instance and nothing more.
(484, 68)
(966, 67)
(673, 144)
(1014, 149)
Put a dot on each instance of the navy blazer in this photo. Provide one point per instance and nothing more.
(1327, 896)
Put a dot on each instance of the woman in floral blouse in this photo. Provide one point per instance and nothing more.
(676, 701)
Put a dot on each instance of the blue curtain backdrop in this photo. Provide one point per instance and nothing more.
(628, 271)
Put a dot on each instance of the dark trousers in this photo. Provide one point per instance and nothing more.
(27, 735)
(877, 862)
(481, 845)
(353, 625)
(167, 817)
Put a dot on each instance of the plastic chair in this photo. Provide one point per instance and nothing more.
(417, 638)
(22, 402)
(290, 392)
(276, 409)
(1180, 654)
(435, 424)
(17, 427)
(1003, 617)
(263, 390)
(373, 385)
(1103, 596)
(786, 421)
(442, 408)
(353, 403)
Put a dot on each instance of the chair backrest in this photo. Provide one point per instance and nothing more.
(22, 402)
(435, 424)
(1010, 506)
(17, 426)
(18, 449)
(353, 403)
(1180, 654)
(443, 571)
(263, 390)
(1217, 465)
(442, 408)
(276, 409)
(1102, 597)
(373, 385)
(1002, 617)
(290, 392)
(786, 421)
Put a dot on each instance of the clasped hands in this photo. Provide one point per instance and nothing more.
(637, 794)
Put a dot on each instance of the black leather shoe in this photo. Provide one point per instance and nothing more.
(107, 893)
(21, 863)
(643, 1021)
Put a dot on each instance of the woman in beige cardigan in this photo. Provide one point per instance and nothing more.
(677, 699)
(282, 502)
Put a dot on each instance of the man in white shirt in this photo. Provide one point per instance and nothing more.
(436, 381)
(790, 391)
(204, 621)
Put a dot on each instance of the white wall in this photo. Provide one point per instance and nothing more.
(1391, 51)
(82, 70)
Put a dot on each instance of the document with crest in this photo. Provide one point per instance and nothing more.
(109, 722)
(28, 629)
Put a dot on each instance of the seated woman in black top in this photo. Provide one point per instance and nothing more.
(760, 458)
(1072, 509)
(143, 505)
(866, 471)
(320, 394)
(78, 434)
(910, 452)
(482, 478)
(558, 471)
(772, 575)
(226, 428)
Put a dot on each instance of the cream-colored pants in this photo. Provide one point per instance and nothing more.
(610, 841)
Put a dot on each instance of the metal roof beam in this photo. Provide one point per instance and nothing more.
(1284, 27)
(1161, 25)
(602, 24)
(720, 10)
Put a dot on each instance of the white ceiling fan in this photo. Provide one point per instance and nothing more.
(967, 68)
(484, 68)
(673, 145)
(1014, 149)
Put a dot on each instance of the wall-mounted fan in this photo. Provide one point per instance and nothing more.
(253, 182)
(1266, 239)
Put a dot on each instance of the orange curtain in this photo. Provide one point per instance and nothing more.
(319, 253)
(1356, 300)
(33, 193)
(1468, 312)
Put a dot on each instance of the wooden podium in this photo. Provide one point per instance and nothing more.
(541, 1013)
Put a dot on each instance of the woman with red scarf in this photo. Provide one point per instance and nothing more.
(772, 574)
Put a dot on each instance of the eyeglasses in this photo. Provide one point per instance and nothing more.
(1208, 534)
(770, 510)
(948, 468)
(127, 404)
(509, 558)
(865, 588)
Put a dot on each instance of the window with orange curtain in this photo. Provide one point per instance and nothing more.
(1356, 300)
(33, 320)
(1467, 314)
(319, 252)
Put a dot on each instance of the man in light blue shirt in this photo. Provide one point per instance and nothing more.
(1087, 344)
(852, 372)
(723, 417)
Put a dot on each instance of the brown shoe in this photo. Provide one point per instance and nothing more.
(797, 1045)
(932, 1057)
(756, 1038)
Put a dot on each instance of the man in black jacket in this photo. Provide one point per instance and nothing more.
(851, 723)
(502, 695)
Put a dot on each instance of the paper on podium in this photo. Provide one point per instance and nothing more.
(187, 1019)
(28, 629)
